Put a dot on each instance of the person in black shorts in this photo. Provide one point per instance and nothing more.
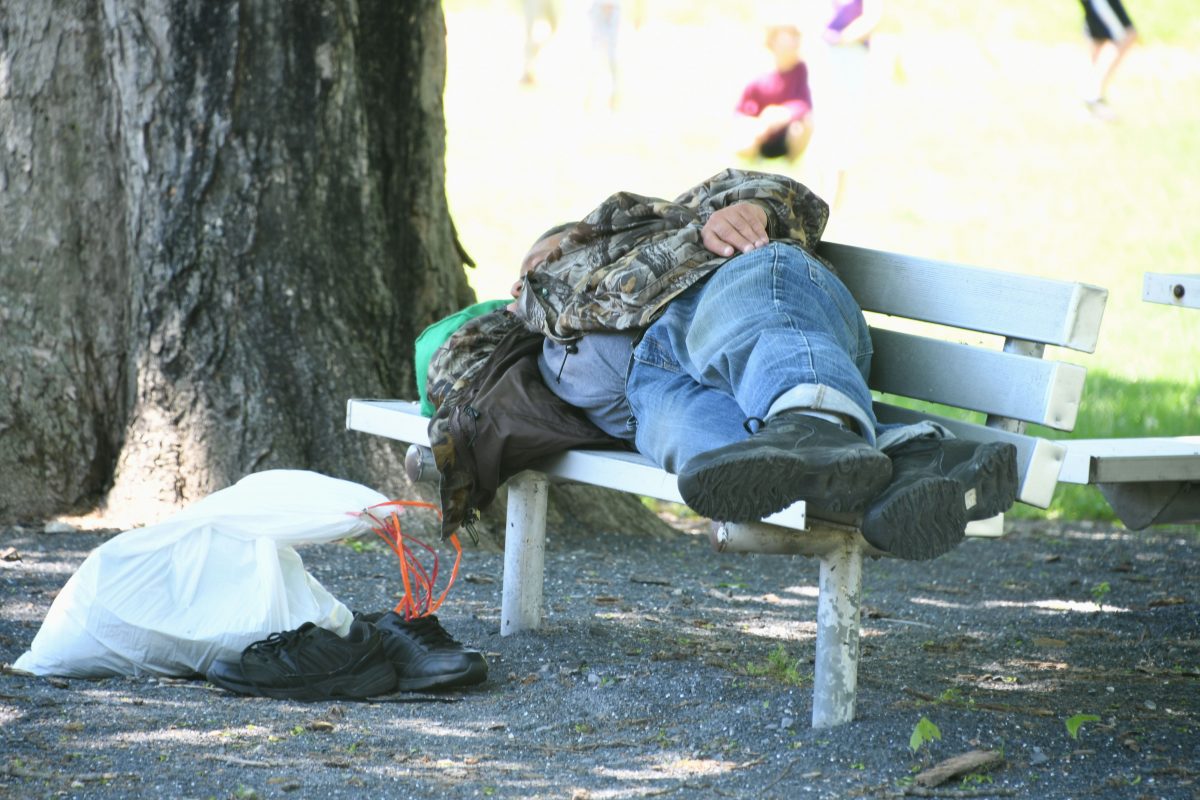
(1112, 34)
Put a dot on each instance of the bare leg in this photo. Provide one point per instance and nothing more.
(1107, 55)
(1105, 60)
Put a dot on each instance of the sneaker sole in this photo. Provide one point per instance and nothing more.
(922, 522)
(378, 679)
(989, 480)
(472, 675)
(750, 486)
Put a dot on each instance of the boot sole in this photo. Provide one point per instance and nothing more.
(920, 522)
(375, 680)
(746, 487)
(989, 480)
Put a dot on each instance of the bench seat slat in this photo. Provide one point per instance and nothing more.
(612, 469)
(634, 473)
(1133, 460)
(615, 469)
(990, 381)
(1026, 307)
(393, 419)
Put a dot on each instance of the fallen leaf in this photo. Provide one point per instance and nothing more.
(320, 725)
(10, 554)
(1174, 600)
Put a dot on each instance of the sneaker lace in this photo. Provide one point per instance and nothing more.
(281, 640)
(430, 633)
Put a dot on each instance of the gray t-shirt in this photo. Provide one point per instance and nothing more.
(590, 373)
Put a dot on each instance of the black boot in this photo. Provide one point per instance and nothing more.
(986, 471)
(938, 485)
(919, 516)
(793, 457)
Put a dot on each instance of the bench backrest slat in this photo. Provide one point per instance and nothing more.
(990, 301)
(989, 381)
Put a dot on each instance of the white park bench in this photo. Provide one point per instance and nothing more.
(983, 353)
(1152, 480)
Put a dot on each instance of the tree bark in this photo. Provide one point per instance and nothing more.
(219, 220)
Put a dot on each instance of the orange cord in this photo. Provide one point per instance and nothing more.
(419, 583)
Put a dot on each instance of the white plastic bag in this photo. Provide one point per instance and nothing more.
(172, 598)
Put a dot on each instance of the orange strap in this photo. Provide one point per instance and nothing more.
(419, 583)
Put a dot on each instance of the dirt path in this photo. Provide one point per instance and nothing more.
(666, 670)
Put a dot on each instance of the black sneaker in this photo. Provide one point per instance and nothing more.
(793, 457)
(423, 654)
(986, 471)
(310, 663)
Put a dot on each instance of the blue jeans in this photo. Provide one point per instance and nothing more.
(770, 330)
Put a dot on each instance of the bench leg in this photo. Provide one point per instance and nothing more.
(835, 676)
(524, 553)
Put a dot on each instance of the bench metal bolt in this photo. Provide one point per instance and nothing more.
(419, 464)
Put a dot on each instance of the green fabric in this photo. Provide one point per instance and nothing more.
(436, 335)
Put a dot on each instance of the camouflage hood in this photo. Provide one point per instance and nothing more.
(619, 267)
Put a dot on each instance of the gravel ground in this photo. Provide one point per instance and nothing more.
(665, 669)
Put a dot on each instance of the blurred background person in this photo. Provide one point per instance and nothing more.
(1111, 33)
(774, 117)
(604, 24)
(842, 87)
(541, 20)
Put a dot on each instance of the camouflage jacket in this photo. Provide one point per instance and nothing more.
(616, 269)
(620, 266)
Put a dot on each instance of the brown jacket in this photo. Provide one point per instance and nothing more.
(504, 420)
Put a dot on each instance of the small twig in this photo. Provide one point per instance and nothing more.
(582, 748)
(897, 621)
(241, 762)
(409, 698)
(1001, 707)
(18, 771)
(921, 791)
(782, 774)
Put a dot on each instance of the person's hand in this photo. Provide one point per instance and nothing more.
(738, 228)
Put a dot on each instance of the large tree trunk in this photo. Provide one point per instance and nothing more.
(218, 220)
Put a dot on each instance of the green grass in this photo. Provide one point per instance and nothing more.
(980, 153)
